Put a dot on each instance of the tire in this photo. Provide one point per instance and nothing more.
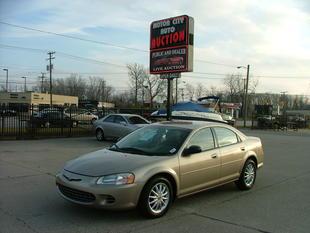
(149, 204)
(99, 135)
(248, 175)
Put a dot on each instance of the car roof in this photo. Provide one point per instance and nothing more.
(123, 114)
(194, 125)
(191, 124)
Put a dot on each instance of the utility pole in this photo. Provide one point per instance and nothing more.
(25, 85)
(7, 79)
(42, 77)
(50, 68)
(245, 98)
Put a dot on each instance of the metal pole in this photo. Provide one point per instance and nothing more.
(246, 96)
(169, 99)
(243, 98)
(176, 90)
(50, 70)
(42, 78)
(7, 79)
(25, 84)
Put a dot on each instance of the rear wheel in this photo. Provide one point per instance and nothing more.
(248, 175)
(99, 135)
(156, 198)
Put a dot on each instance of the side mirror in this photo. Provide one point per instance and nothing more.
(123, 123)
(191, 150)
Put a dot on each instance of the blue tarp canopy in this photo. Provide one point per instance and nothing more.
(185, 106)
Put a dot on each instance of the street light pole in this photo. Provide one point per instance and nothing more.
(7, 79)
(246, 96)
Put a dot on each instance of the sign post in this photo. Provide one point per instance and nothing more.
(171, 50)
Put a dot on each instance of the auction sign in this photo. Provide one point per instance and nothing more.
(171, 45)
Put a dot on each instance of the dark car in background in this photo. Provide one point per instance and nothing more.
(52, 119)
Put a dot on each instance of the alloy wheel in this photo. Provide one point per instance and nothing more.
(159, 198)
(249, 174)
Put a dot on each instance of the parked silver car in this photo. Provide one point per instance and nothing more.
(115, 126)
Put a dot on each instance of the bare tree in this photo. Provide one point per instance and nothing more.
(235, 86)
(136, 73)
(155, 86)
(190, 89)
(200, 90)
(123, 99)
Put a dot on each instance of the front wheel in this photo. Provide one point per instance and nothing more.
(156, 198)
(248, 175)
(99, 135)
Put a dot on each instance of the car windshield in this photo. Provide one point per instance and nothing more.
(153, 140)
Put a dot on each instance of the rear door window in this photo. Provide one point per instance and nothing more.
(225, 136)
(119, 119)
(203, 138)
(136, 120)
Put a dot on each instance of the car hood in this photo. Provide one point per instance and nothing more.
(105, 162)
(140, 125)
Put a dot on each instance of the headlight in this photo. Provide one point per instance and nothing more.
(117, 179)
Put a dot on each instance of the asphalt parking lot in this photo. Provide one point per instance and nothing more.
(279, 202)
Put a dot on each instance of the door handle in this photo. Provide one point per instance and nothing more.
(213, 156)
(242, 148)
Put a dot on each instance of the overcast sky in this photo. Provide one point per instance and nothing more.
(272, 36)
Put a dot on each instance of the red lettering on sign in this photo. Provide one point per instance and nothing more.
(181, 36)
(167, 40)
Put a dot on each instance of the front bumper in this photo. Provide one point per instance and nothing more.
(83, 190)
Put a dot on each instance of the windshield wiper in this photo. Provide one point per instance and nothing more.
(114, 147)
(133, 150)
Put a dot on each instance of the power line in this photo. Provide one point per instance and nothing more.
(100, 42)
(88, 59)
(215, 63)
(63, 54)
(74, 57)
(124, 66)
(74, 37)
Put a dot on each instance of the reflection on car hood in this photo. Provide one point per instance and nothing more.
(140, 125)
(104, 162)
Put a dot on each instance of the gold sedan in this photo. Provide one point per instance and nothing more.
(156, 164)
